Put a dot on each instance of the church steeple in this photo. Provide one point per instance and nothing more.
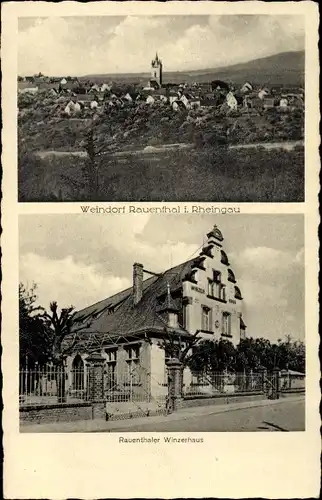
(156, 71)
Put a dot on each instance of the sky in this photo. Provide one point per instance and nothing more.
(76, 46)
(79, 259)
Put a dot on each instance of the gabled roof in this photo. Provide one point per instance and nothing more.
(117, 315)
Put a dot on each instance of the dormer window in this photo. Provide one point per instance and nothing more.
(238, 294)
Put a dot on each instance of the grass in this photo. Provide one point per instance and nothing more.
(209, 175)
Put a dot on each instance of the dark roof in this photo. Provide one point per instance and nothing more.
(84, 97)
(69, 85)
(27, 85)
(48, 85)
(118, 315)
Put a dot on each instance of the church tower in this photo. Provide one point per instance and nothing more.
(156, 71)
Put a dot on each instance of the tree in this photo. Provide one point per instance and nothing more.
(35, 336)
(177, 348)
(61, 326)
(208, 355)
(291, 355)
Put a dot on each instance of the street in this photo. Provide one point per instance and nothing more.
(284, 417)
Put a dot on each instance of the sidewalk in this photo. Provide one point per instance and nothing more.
(127, 425)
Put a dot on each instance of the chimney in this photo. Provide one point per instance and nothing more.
(137, 282)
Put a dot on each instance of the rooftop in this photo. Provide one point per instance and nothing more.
(119, 316)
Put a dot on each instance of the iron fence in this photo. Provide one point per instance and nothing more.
(50, 384)
(134, 384)
(216, 383)
(137, 387)
(292, 382)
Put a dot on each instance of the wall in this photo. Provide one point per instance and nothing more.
(157, 385)
(196, 297)
(56, 413)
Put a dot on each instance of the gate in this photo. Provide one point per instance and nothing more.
(133, 392)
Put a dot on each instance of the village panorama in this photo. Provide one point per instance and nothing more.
(234, 134)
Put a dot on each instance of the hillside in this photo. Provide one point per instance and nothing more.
(286, 68)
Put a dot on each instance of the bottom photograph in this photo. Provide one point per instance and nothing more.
(161, 323)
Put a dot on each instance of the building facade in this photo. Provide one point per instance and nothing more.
(130, 329)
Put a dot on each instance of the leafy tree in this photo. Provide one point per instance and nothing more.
(35, 336)
(61, 325)
(212, 356)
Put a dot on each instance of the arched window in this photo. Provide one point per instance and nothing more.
(78, 375)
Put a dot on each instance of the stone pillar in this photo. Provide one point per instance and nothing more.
(277, 383)
(264, 380)
(174, 384)
(95, 389)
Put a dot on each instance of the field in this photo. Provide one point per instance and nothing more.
(216, 174)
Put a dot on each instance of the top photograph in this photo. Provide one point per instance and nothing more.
(161, 108)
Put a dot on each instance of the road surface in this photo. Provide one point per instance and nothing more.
(284, 417)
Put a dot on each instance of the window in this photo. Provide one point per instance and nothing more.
(226, 324)
(133, 365)
(111, 356)
(78, 374)
(216, 289)
(205, 319)
(110, 371)
(182, 317)
(242, 328)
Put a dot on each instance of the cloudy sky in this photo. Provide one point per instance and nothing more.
(81, 259)
(108, 44)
